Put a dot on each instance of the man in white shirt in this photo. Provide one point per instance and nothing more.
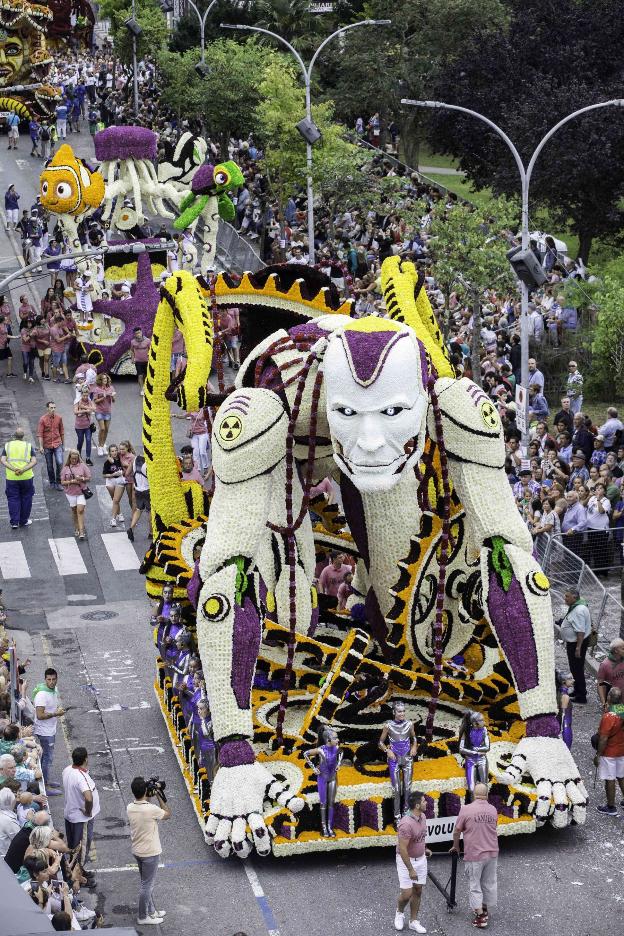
(47, 711)
(610, 429)
(144, 818)
(82, 803)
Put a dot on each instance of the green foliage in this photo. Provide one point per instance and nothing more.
(581, 295)
(608, 343)
(227, 99)
(467, 243)
(336, 161)
(150, 18)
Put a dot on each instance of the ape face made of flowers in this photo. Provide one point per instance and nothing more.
(376, 402)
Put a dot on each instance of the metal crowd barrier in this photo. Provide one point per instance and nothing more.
(566, 568)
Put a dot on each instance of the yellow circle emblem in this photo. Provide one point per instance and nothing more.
(230, 428)
(489, 415)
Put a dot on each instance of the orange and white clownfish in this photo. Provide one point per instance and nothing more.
(68, 186)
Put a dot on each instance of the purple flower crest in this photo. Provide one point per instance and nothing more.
(125, 143)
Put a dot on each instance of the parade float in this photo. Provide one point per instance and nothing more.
(299, 727)
(26, 61)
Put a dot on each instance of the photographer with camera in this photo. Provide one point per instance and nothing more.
(144, 818)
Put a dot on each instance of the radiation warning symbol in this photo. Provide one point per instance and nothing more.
(489, 415)
(230, 428)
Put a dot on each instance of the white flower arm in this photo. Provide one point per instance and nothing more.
(560, 790)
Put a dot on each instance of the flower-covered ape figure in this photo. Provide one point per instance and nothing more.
(127, 155)
(414, 447)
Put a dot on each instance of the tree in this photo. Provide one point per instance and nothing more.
(579, 177)
(226, 100)
(608, 343)
(336, 161)
(150, 18)
(468, 252)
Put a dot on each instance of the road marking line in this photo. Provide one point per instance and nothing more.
(120, 552)
(67, 556)
(13, 562)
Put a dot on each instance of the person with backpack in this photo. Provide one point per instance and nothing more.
(137, 473)
(45, 139)
(34, 130)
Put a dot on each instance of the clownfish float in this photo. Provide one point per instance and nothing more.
(68, 186)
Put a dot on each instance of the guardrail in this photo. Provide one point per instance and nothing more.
(566, 569)
(600, 549)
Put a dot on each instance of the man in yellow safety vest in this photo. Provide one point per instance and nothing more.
(19, 461)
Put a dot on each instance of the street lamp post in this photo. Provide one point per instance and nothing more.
(307, 78)
(135, 78)
(525, 179)
(202, 17)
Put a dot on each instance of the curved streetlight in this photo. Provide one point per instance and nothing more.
(525, 179)
(201, 68)
(307, 77)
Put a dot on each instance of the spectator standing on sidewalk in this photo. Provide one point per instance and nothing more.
(575, 631)
(51, 438)
(611, 671)
(47, 713)
(11, 207)
(478, 821)
(610, 753)
(411, 862)
(18, 461)
(82, 804)
(146, 848)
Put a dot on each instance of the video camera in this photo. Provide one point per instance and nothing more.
(156, 787)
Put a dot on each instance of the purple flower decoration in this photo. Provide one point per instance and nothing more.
(125, 143)
(203, 179)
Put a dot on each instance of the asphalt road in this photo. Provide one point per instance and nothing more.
(89, 620)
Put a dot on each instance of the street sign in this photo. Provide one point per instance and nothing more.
(521, 408)
(440, 830)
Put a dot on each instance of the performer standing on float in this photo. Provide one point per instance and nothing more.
(330, 758)
(401, 751)
(474, 743)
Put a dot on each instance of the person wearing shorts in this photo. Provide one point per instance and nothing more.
(137, 471)
(610, 752)
(13, 123)
(103, 397)
(139, 348)
(411, 862)
(11, 207)
(43, 347)
(114, 476)
(74, 477)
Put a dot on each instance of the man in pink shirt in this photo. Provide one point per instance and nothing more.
(139, 348)
(478, 821)
(333, 575)
(411, 862)
(611, 671)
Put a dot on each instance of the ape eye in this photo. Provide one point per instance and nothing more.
(345, 411)
(44, 188)
(393, 410)
(63, 190)
(221, 177)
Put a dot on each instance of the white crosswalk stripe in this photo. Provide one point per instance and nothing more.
(66, 554)
(13, 563)
(120, 552)
(68, 559)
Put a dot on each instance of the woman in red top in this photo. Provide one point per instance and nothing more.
(84, 411)
(74, 477)
(28, 349)
(41, 334)
(126, 457)
(47, 302)
(103, 397)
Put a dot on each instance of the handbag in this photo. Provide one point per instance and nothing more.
(86, 490)
(93, 427)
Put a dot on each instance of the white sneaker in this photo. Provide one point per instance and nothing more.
(159, 913)
(100, 451)
(149, 921)
(105, 449)
(83, 915)
(399, 921)
(416, 927)
(120, 518)
(113, 522)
